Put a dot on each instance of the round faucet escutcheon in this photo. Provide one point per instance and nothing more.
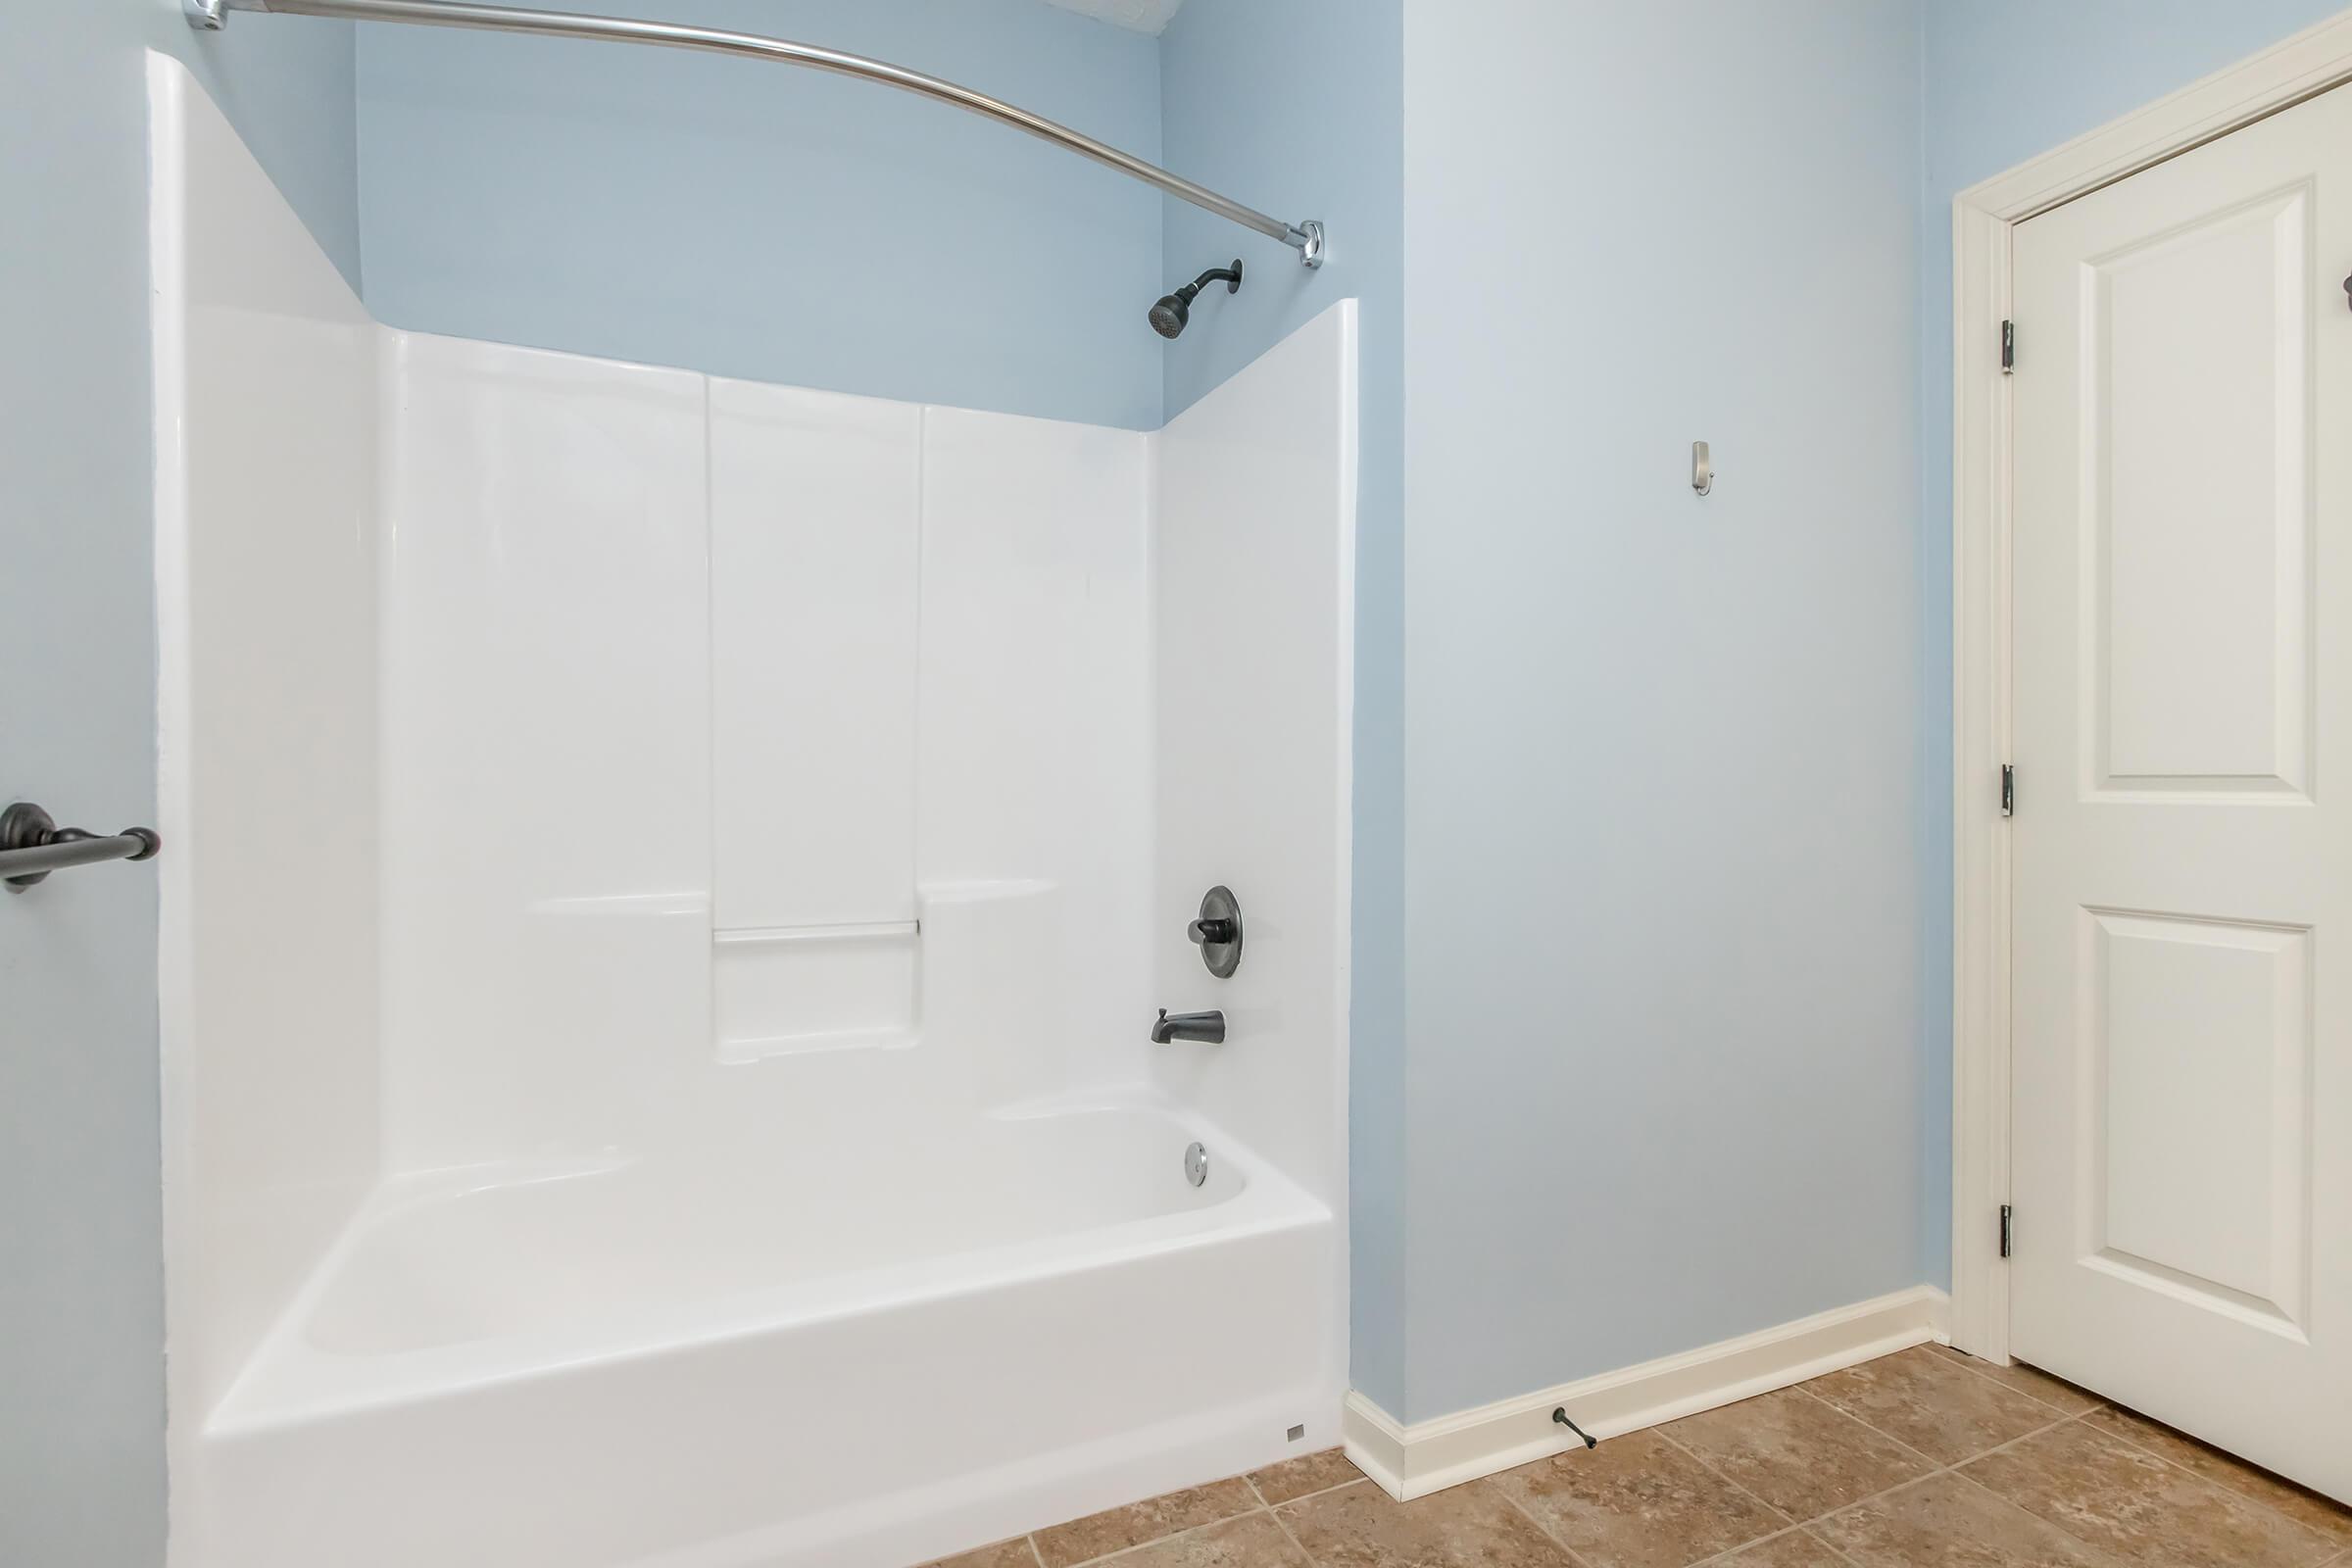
(1217, 933)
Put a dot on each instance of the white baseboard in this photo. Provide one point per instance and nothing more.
(1431, 1455)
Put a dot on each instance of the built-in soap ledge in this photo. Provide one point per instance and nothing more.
(780, 991)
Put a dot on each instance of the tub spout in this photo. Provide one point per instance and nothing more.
(1209, 1026)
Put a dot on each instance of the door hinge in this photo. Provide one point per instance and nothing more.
(2008, 1230)
(2008, 347)
(2008, 789)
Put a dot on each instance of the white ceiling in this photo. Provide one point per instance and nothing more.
(1143, 16)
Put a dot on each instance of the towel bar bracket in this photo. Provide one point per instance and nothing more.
(33, 845)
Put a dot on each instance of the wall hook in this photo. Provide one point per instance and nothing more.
(1703, 468)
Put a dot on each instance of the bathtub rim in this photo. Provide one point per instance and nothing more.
(290, 1381)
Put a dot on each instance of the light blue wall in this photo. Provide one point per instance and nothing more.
(1678, 824)
(287, 83)
(751, 219)
(1661, 785)
(1297, 108)
(82, 1371)
(2007, 79)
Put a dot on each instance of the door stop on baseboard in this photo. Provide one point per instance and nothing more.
(1559, 1413)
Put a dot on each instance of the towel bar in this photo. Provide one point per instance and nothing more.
(33, 845)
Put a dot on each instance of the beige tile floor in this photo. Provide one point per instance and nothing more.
(1919, 1459)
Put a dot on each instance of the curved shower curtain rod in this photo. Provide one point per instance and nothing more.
(1305, 237)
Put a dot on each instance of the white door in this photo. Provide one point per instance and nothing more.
(2182, 959)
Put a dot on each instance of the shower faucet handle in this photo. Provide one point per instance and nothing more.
(1217, 931)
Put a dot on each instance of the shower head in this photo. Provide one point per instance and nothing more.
(1169, 316)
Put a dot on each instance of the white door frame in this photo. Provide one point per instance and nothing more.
(1983, 215)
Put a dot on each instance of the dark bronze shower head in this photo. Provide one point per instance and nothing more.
(1173, 311)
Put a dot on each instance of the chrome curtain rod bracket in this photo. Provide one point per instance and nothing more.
(1304, 237)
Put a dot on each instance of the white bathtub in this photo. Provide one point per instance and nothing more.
(635, 1000)
(1005, 1320)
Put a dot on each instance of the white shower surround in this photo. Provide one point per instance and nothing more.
(641, 1139)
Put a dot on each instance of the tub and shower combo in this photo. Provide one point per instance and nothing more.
(671, 885)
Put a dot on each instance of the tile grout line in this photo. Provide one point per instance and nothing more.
(1806, 1530)
(2058, 1525)
(1957, 1471)
(1810, 1519)
(1975, 1367)
(1798, 1527)
(2058, 1419)
(1320, 1492)
(1292, 1536)
(1933, 1464)
(2026, 1437)
(1250, 1479)
(1284, 1525)
(2082, 1418)
(2078, 1419)
(1886, 1492)
(1522, 1510)
(1804, 1525)
(1701, 1461)
(1827, 1544)
(1264, 1506)
(2166, 1459)
(1175, 1535)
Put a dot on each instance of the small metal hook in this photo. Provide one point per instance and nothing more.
(1702, 469)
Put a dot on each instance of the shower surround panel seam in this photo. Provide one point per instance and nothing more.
(790, 806)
